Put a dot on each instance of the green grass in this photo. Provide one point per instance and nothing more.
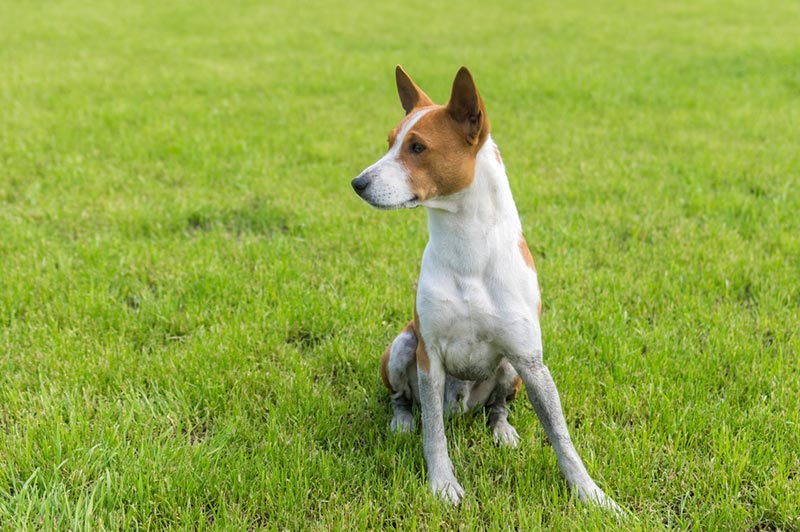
(193, 302)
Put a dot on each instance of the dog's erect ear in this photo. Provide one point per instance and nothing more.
(411, 96)
(466, 107)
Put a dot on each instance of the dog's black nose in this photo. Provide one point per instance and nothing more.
(360, 184)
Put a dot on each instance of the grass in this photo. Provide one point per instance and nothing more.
(193, 302)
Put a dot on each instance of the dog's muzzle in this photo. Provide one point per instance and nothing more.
(379, 192)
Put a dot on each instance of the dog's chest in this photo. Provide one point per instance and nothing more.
(467, 340)
(466, 319)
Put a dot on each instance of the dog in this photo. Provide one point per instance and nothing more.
(475, 337)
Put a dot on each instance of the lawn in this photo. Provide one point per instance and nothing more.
(193, 302)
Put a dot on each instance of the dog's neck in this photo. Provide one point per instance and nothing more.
(470, 227)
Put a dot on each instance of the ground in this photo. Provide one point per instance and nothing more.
(193, 302)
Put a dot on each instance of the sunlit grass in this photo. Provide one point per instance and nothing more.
(193, 302)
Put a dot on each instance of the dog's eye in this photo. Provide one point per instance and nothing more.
(416, 147)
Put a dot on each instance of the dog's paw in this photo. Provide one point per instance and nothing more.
(592, 494)
(506, 435)
(403, 423)
(448, 489)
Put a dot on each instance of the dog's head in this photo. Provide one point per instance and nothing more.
(431, 151)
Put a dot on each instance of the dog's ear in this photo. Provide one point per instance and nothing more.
(411, 96)
(466, 107)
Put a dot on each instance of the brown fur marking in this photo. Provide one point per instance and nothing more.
(516, 386)
(452, 135)
(526, 253)
(393, 133)
(528, 258)
(497, 155)
(423, 362)
(411, 96)
(447, 165)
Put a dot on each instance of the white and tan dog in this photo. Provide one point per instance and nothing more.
(475, 336)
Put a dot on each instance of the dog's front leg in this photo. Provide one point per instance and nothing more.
(543, 395)
(431, 377)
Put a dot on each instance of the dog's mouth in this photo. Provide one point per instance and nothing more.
(383, 196)
(408, 204)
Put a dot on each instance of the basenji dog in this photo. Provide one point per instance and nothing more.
(475, 337)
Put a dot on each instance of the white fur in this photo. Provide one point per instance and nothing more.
(390, 187)
(477, 299)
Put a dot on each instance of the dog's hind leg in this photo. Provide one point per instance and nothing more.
(399, 375)
(502, 431)
(507, 386)
(494, 394)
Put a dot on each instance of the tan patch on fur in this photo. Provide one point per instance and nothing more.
(411, 96)
(396, 131)
(528, 258)
(452, 135)
(516, 386)
(448, 163)
(423, 362)
(526, 253)
(497, 155)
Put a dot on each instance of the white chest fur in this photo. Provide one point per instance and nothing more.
(476, 298)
